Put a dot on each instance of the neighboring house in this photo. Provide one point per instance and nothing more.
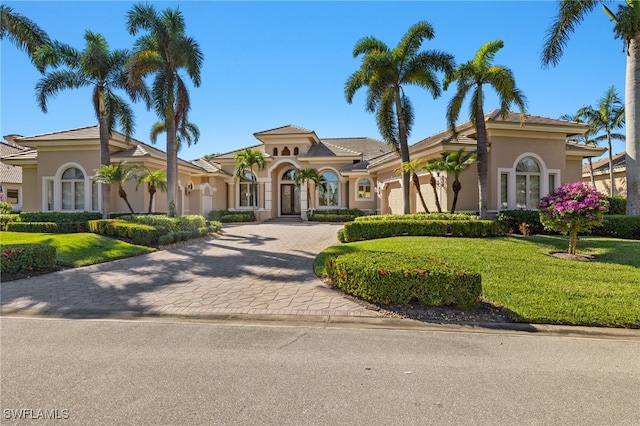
(526, 161)
(601, 174)
(11, 176)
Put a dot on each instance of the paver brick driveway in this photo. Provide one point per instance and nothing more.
(248, 269)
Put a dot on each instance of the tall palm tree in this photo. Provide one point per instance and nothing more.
(586, 138)
(246, 160)
(454, 163)
(163, 51)
(117, 175)
(104, 72)
(626, 27)
(386, 72)
(186, 133)
(471, 77)
(307, 174)
(24, 33)
(411, 167)
(607, 116)
(155, 180)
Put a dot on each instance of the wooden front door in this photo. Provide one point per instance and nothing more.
(289, 199)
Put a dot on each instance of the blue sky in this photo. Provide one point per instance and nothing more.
(269, 64)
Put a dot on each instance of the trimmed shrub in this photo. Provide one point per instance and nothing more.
(363, 230)
(394, 278)
(162, 223)
(37, 227)
(419, 216)
(214, 226)
(341, 236)
(226, 216)
(137, 233)
(617, 205)
(6, 208)
(619, 226)
(511, 221)
(8, 218)
(334, 215)
(59, 217)
(27, 257)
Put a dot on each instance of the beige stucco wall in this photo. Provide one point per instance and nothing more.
(361, 203)
(31, 193)
(603, 182)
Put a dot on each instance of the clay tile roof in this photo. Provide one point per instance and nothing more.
(602, 166)
(88, 132)
(209, 166)
(285, 130)
(367, 147)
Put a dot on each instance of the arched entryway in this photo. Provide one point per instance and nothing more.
(289, 194)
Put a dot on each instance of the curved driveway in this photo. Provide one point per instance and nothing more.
(248, 269)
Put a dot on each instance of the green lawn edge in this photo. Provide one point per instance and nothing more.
(521, 275)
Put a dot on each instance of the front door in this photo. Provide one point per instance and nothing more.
(289, 199)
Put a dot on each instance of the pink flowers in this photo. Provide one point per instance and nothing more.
(572, 208)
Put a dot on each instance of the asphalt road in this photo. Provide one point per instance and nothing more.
(100, 372)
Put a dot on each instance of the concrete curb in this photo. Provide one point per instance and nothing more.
(332, 321)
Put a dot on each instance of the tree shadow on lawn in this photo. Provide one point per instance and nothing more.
(140, 284)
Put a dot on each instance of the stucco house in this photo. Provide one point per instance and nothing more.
(602, 177)
(11, 176)
(526, 161)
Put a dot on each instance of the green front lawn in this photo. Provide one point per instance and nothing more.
(79, 249)
(520, 275)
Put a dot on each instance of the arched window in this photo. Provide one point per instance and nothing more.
(296, 151)
(248, 191)
(364, 188)
(289, 175)
(527, 183)
(275, 152)
(329, 191)
(72, 181)
(286, 151)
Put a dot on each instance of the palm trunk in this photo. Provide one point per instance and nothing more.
(457, 186)
(416, 183)
(593, 178)
(434, 186)
(172, 152)
(404, 154)
(483, 167)
(632, 113)
(105, 154)
(123, 195)
(612, 187)
(152, 192)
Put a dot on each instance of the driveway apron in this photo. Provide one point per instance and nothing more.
(248, 269)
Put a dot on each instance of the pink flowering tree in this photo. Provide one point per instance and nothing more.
(572, 208)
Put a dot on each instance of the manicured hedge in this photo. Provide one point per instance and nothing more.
(419, 216)
(27, 257)
(334, 215)
(226, 216)
(511, 221)
(8, 218)
(392, 278)
(38, 227)
(617, 205)
(137, 233)
(619, 226)
(59, 216)
(369, 230)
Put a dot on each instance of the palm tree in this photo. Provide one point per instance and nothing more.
(454, 163)
(155, 180)
(186, 133)
(410, 167)
(386, 72)
(472, 76)
(24, 33)
(431, 168)
(586, 138)
(307, 174)
(607, 116)
(163, 52)
(117, 175)
(104, 72)
(246, 160)
(626, 27)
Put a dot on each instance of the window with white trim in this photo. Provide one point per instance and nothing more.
(527, 183)
(249, 191)
(72, 182)
(364, 188)
(329, 190)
